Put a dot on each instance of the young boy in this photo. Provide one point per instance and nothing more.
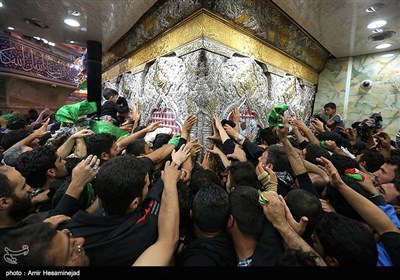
(335, 120)
(110, 108)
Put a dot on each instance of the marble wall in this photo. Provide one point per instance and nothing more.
(208, 78)
(340, 82)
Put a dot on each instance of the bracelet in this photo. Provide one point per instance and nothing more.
(239, 138)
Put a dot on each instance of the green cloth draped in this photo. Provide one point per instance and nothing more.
(10, 117)
(105, 127)
(70, 113)
(274, 117)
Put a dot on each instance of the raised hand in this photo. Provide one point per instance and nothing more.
(299, 227)
(54, 221)
(181, 155)
(215, 137)
(189, 122)
(208, 162)
(334, 177)
(170, 174)
(238, 154)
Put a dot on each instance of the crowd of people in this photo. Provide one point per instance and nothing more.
(302, 194)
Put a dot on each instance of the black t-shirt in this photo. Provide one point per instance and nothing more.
(115, 240)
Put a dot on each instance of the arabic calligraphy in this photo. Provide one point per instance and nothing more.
(19, 58)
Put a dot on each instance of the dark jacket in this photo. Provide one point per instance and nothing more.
(215, 251)
(113, 240)
(110, 108)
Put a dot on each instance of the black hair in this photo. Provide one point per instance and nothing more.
(304, 203)
(33, 165)
(346, 240)
(330, 105)
(11, 155)
(373, 161)
(278, 157)
(323, 136)
(243, 173)
(119, 181)
(246, 210)
(18, 124)
(122, 101)
(342, 163)
(98, 143)
(210, 209)
(267, 135)
(13, 137)
(202, 177)
(297, 257)
(160, 140)
(314, 151)
(339, 203)
(394, 160)
(109, 92)
(136, 148)
(35, 239)
(6, 189)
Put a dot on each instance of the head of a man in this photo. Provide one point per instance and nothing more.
(41, 245)
(389, 171)
(40, 165)
(122, 184)
(15, 195)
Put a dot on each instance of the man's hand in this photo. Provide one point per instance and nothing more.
(170, 174)
(181, 155)
(238, 154)
(56, 220)
(208, 162)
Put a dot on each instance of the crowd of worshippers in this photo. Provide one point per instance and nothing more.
(315, 194)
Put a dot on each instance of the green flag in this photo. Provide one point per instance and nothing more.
(71, 113)
(274, 117)
(105, 127)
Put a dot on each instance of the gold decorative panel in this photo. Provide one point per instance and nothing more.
(204, 24)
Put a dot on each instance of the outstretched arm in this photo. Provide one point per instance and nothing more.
(161, 252)
(367, 209)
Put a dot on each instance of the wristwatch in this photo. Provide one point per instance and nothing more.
(239, 138)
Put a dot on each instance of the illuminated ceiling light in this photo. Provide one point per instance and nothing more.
(388, 55)
(45, 41)
(383, 46)
(75, 13)
(72, 42)
(1, 5)
(10, 28)
(71, 22)
(377, 24)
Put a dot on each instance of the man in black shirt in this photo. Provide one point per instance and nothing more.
(125, 223)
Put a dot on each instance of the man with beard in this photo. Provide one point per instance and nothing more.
(15, 198)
